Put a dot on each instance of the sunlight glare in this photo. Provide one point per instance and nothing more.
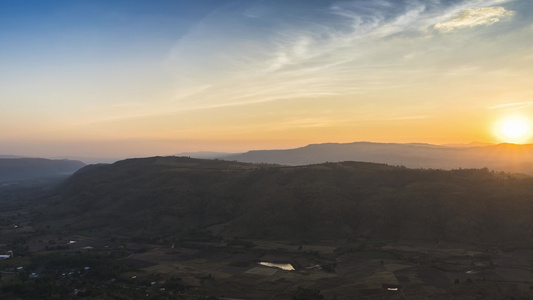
(514, 130)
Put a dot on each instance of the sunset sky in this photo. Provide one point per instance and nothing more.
(117, 78)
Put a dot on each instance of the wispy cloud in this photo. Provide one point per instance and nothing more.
(188, 92)
(475, 17)
(517, 105)
(347, 47)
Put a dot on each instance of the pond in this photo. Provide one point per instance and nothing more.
(286, 267)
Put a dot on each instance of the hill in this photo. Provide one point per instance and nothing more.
(169, 197)
(15, 169)
(502, 157)
(9, 156)
(205, 154)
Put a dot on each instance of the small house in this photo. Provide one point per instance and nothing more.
(391, 287)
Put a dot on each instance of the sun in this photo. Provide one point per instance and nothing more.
(514, 129)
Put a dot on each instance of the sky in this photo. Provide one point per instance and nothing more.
(123, 78)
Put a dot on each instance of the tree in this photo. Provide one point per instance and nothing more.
(307, 294)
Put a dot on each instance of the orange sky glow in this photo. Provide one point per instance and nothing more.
(109, 80)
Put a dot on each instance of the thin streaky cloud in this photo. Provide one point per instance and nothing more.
(185, 93)
(475, 17)
(321, 52)
(517, 105)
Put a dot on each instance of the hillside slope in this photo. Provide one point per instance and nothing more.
(165, 197)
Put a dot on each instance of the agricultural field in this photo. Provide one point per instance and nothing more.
(329, 269)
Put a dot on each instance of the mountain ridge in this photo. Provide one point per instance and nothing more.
(501, 157)
(13, 169)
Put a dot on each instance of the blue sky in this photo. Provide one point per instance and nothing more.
(96, 77)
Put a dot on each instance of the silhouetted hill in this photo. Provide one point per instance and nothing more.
(9, 156)
(13, 169)
(205, 154)
(169, 197)
(502, 157)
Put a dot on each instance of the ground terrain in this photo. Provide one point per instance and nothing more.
(339, 269)
(178, 228)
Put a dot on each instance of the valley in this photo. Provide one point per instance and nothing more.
(182, 228)
(335, 269)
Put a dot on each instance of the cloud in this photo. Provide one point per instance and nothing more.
(331, 49)
(517, 105)
(475, 17)
(184, 93)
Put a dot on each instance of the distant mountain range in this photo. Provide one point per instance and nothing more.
(14, 169)
(501, 157)
(206, 154)
(9, 156)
